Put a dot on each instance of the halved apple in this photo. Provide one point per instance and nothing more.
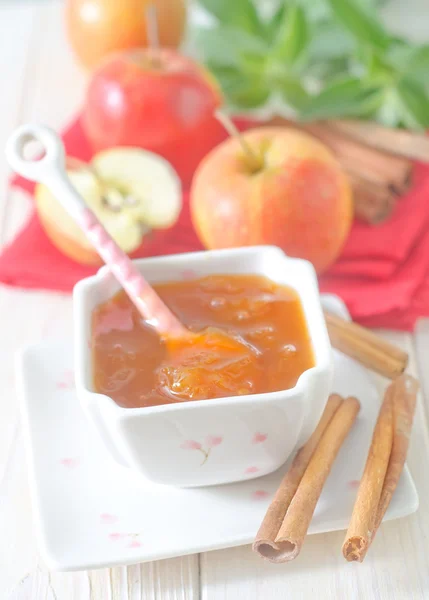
(130, 190)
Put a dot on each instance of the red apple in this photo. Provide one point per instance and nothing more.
(158, 100)
(296, 197)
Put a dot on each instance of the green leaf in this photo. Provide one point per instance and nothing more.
(246, 95)
(252, 64)
(417, 65)
(319, 11)
(226, 45)
(414, 102)
(292, 37)
(379, 70)
(399, 54)
(316, 10)
(272, 24)
(293, 93)
(360, 23)
(389, 113)
(327, 70)
(329, 41)
(241, 14)
(226, 76)
(346, 97)
(241, 90)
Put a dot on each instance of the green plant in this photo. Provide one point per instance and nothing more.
(323, 58)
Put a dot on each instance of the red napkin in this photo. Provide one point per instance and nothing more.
(382, 274)
(376, 252)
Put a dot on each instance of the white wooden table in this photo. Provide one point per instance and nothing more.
(40, 81)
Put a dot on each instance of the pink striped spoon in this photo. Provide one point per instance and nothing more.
(50, 170)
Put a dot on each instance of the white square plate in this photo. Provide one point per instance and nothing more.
(93, 513)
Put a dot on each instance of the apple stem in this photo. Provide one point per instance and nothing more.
(226, 121)
(152, 31)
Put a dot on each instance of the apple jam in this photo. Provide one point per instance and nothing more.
(135, 367)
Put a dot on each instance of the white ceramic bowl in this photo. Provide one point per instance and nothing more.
(217, 441)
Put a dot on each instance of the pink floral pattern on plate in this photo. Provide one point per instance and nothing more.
(117, 536)
(210, 442)
(67, 380)
(108, 519)
(260, 495)
(251, 470)
(354, 484)
(259, 438)
(70, 463)
(131, 538)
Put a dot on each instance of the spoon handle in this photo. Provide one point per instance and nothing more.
(50, 170)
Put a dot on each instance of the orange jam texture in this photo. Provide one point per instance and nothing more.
(136, 369)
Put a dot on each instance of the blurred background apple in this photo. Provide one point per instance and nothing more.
(98, 27)
(157, 99)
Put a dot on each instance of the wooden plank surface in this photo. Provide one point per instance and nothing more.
(42, 82)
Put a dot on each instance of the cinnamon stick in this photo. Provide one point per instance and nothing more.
(414, 146)
(404, 398)
(290, 537)
(366, 335)
(375, 166)
(402, 394)
(372, 203)
(366, 347)
(365, 509)
(264, 542)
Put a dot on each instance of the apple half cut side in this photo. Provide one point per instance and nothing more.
(132, 191)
